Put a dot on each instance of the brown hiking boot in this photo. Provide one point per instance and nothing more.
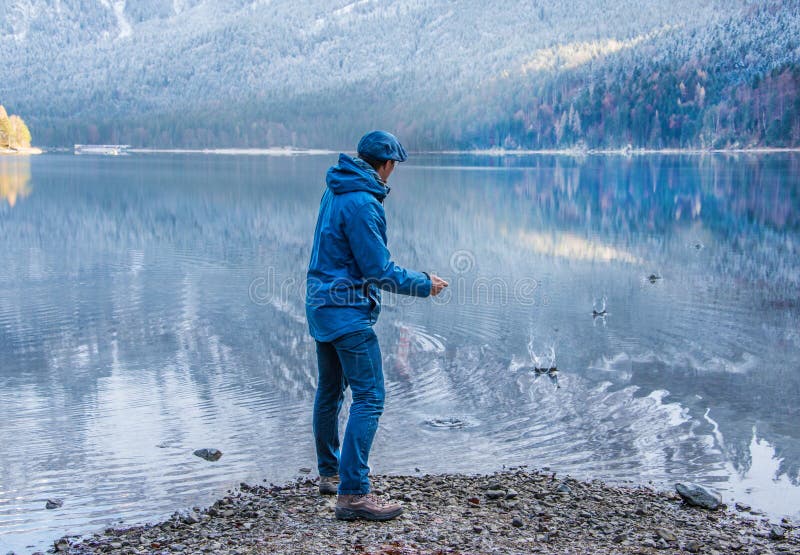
(329, 485)
(366, 506)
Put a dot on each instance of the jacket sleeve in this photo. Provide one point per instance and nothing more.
(366, 233)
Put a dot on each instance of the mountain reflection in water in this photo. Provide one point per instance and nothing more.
(153, 304)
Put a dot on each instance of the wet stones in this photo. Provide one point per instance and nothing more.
(452, 514)
(699, 496)
(211, 455)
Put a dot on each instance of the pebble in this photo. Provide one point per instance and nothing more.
(666, 535)
(190, 517)
(777, 532)
(516, 522)
(495, 494)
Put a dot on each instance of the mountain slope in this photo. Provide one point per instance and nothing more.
(441, 73)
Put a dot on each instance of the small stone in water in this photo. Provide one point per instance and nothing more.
(305, 470)
(53, 503)
(208, 454)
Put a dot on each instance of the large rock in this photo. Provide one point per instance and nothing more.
(699, 496)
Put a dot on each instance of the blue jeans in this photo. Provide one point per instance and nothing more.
(353, 359)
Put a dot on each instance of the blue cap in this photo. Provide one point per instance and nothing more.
(379, 146)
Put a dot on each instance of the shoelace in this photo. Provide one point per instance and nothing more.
(375, 499)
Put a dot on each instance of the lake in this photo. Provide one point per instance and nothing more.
(152, 304)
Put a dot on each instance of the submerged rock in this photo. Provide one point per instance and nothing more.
(699, 496)
(53, 503)
(208, 454)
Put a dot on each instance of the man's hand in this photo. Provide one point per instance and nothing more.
(437, 285)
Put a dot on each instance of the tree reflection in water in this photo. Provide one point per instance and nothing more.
(15, 176)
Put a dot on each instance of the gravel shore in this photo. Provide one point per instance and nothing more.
(518, 511)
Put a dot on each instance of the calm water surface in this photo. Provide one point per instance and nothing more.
(152, 304)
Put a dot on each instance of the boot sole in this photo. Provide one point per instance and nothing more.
(353, 514)
(332, 490)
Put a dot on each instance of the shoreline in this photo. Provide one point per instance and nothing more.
(514, 511)
(492, 152)
(20, 151)
(620, 151)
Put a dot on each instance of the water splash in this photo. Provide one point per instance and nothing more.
(599, 309)
(542, 356)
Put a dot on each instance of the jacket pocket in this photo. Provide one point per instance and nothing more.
(374, 303)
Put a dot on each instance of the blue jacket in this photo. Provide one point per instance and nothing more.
(350, 262)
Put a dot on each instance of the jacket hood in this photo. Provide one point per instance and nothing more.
(352, 174)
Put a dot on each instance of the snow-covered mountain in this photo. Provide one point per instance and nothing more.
(314, 73)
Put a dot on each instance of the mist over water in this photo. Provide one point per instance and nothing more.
(151, 305)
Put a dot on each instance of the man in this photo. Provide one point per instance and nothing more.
(349, 266)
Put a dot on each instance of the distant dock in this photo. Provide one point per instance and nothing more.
(107, 150)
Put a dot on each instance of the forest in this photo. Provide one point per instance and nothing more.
(515, 75)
